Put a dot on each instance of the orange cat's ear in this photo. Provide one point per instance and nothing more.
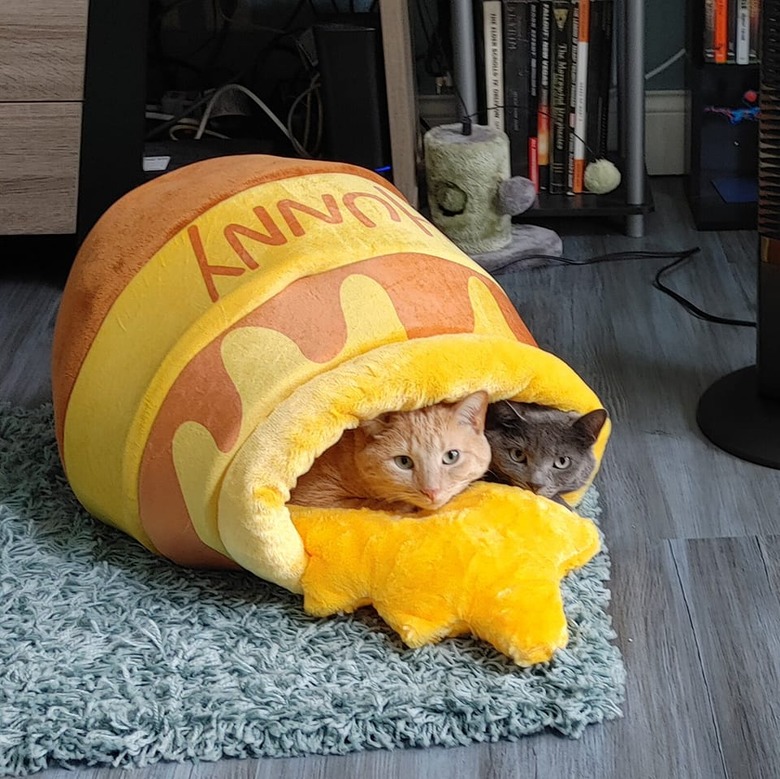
(375, 427)
(471, 410)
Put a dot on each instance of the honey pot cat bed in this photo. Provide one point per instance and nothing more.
(223, 325)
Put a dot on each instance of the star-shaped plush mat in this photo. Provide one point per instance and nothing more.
(489, 563)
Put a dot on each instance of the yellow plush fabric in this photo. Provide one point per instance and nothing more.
(198, 372)
(489, 563)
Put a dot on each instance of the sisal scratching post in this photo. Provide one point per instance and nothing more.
(464, 173)
(472, 196)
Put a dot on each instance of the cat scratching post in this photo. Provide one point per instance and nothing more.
(463, 174)
(472, 196)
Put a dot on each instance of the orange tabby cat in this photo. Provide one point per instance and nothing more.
(402, 461)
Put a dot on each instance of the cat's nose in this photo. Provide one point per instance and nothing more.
(535, 486)
(432, 495)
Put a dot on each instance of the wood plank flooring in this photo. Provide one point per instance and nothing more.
(694, 533)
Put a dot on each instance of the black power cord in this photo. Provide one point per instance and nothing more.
(678, 258)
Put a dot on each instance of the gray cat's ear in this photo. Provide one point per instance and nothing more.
(589, 425)
(513, 410)
(503, 413)
(376, 426)
(471, 410)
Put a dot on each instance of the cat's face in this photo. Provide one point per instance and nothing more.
(425, 457)
(540, 449)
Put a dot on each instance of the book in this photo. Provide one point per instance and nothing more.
(742, 45)
(582, 86)
(494, 56)
(708, 37)
(544, 107)
(571, 90)
(731, 17)
(755, 29)
(533, 95)
(560, 86)
(599, 75)
(721, 31)
(517, 63)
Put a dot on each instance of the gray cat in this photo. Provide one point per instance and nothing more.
(541, 449)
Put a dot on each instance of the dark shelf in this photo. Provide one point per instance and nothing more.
(711, 212)
(588, 204)
(722, 182)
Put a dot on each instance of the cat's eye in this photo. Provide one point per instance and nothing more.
(562, 463)
(518, 455)
(404, 462)
(451, 457)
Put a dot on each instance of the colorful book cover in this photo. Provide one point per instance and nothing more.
(571, 91)
(533, 94)
(581, 107)
(580, 103)
(545, 107)
(721, 26)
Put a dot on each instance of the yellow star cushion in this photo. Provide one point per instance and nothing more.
(490, 563)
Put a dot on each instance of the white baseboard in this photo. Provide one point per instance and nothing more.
(665, 132)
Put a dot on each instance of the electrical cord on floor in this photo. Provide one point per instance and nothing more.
(678, 258)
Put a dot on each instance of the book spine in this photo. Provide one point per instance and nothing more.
(516, 67)
(721, 23)
(742, 48)
(533, 94)
(571, 91)
(545, 107)
(605, 77)
(755, 29)
(581, 99)
(560, 46)
(731, 48)
(494, 73)
(596, 60)
(708, 37)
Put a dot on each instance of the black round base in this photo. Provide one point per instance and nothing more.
(736, 418)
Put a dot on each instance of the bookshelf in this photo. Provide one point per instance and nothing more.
(631, 200)
(722, 183)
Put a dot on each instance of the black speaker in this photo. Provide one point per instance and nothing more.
(740, 412)
(112, 124)
(356, 127)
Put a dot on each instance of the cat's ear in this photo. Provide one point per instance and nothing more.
(377, 426)
(589, 425)
(471, 410)
(503, 413)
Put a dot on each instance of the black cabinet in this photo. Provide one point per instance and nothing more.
(722, 124)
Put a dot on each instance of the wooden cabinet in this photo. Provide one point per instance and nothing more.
(42, 56)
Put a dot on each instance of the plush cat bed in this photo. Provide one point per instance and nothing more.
(223, 325)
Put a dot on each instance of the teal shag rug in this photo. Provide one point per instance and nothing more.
(111, 656)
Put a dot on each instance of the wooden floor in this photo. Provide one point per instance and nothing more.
(694, 532)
